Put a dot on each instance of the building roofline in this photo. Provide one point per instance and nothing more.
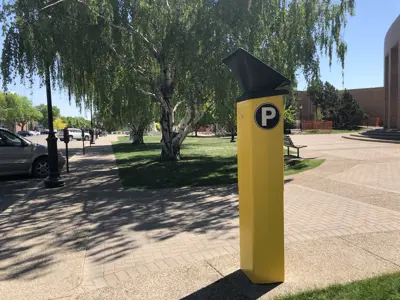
(356, 89)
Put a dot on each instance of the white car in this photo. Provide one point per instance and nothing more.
(73, 133)
(34, 132)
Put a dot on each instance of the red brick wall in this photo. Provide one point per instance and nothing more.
(371, 100)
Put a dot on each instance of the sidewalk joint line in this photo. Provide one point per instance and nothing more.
(374, 254)
(215, 269)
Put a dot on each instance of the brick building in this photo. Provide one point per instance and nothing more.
(13, 127)
(382, 102)
(371, 101)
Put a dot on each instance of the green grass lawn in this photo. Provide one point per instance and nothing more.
(385, 287)
(316, 131)
(205, 161)
(296, 166)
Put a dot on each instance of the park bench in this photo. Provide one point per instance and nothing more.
(289, 144)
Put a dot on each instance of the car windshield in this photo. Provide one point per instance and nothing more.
(11, 139)
(24, 139)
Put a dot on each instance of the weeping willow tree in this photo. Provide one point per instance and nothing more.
(172, 50)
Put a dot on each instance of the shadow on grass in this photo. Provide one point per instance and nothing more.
(126, 147)
(233, 286)
(140, 166)
(191, 171)
(294, 166)
(205, 162)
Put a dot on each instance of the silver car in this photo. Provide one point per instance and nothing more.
(20, 156)
(74, 133)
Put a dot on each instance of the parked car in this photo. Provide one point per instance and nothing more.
(20, 156)
(24, 133)
(34, 132)
(74, 133)
(46, 131)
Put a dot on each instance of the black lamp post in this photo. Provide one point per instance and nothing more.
(301, 118)
(91, 115)
(54, 179)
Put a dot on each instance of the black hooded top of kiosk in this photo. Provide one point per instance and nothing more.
(255, 77)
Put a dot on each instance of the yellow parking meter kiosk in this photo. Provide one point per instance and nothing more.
(260, 130)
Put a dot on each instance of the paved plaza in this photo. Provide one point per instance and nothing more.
(93, 240)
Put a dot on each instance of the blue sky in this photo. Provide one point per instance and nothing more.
(364, 34)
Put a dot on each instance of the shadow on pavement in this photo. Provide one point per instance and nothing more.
(5, 178)
(92, 215)
(92, 212)
(13, 188)
(233, 286)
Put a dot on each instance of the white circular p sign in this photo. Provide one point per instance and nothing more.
(267, 116)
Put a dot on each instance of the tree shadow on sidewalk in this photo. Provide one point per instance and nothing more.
(93, 213)
(94, 217)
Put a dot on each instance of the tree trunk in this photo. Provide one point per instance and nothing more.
(170, 149)
(186, 125)
(195, 131)
(136, 135)
(232, 135)
(171, 141)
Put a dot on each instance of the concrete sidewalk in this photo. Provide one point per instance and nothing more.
(44, 240)
(93, 240)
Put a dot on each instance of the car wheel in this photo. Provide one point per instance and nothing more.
(87, 138)
(40, 167)
(71, 137)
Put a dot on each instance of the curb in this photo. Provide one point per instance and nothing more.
(370, 140)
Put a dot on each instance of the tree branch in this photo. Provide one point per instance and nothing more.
(139, 69)
(147, 93)
(144, 38)
(52, 4)
(176, 106)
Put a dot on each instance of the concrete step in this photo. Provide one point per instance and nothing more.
(384, 135)
(381, 136)
(360, 137)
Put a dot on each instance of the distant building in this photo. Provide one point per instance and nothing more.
(371, 101)
(13, 127)
(391, 77)
(382, 102)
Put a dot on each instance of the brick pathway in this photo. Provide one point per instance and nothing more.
(114, 235)
(162, 233)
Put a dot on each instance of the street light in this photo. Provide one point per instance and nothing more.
(54, 179)
(301, 121)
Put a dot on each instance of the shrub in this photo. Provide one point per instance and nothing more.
(349, 112)
(318, 116)
(290, 117)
